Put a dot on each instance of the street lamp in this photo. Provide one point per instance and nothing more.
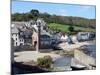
(38, 36)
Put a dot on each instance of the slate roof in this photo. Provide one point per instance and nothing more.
(14, 30)
(20, 23)
(45, 34)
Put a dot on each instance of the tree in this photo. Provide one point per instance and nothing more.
(65, 20)
(71, 28)
(35, 13)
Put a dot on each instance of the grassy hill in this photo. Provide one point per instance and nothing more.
(64, 28)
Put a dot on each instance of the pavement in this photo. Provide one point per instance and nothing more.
(27, 56)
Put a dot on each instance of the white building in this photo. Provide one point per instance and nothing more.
(64, 38)
(83, 36)
(16, 37)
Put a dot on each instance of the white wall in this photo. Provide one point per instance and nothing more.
(17, 40)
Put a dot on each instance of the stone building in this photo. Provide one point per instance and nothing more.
(83, 36)
(45, 38)
(18, 40)
(21, 33)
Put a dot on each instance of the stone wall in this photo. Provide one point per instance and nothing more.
(83, 58)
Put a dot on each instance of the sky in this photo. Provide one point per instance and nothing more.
(85, 11)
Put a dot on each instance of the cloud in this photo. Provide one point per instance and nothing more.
(62, 12)
(84, 8)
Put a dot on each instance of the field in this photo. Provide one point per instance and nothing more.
(64, 28)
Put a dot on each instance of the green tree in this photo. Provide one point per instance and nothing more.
(71, 28)
(65, 20)
(34, 13)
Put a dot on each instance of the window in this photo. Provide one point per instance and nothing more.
(16, 38)
(16, 43)
(21, 44)
(21, 40)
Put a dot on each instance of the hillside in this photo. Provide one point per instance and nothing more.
(64, 20)
(64, 28)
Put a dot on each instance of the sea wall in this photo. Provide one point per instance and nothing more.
(83, 58)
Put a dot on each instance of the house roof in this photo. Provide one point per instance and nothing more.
(45, 33)
(14, 30)
(27, 32)
(20, 24)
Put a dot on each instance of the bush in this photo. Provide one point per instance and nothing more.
(48, 58)
(71, 28)
(44, 62)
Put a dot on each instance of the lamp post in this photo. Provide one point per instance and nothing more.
(38, 35)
